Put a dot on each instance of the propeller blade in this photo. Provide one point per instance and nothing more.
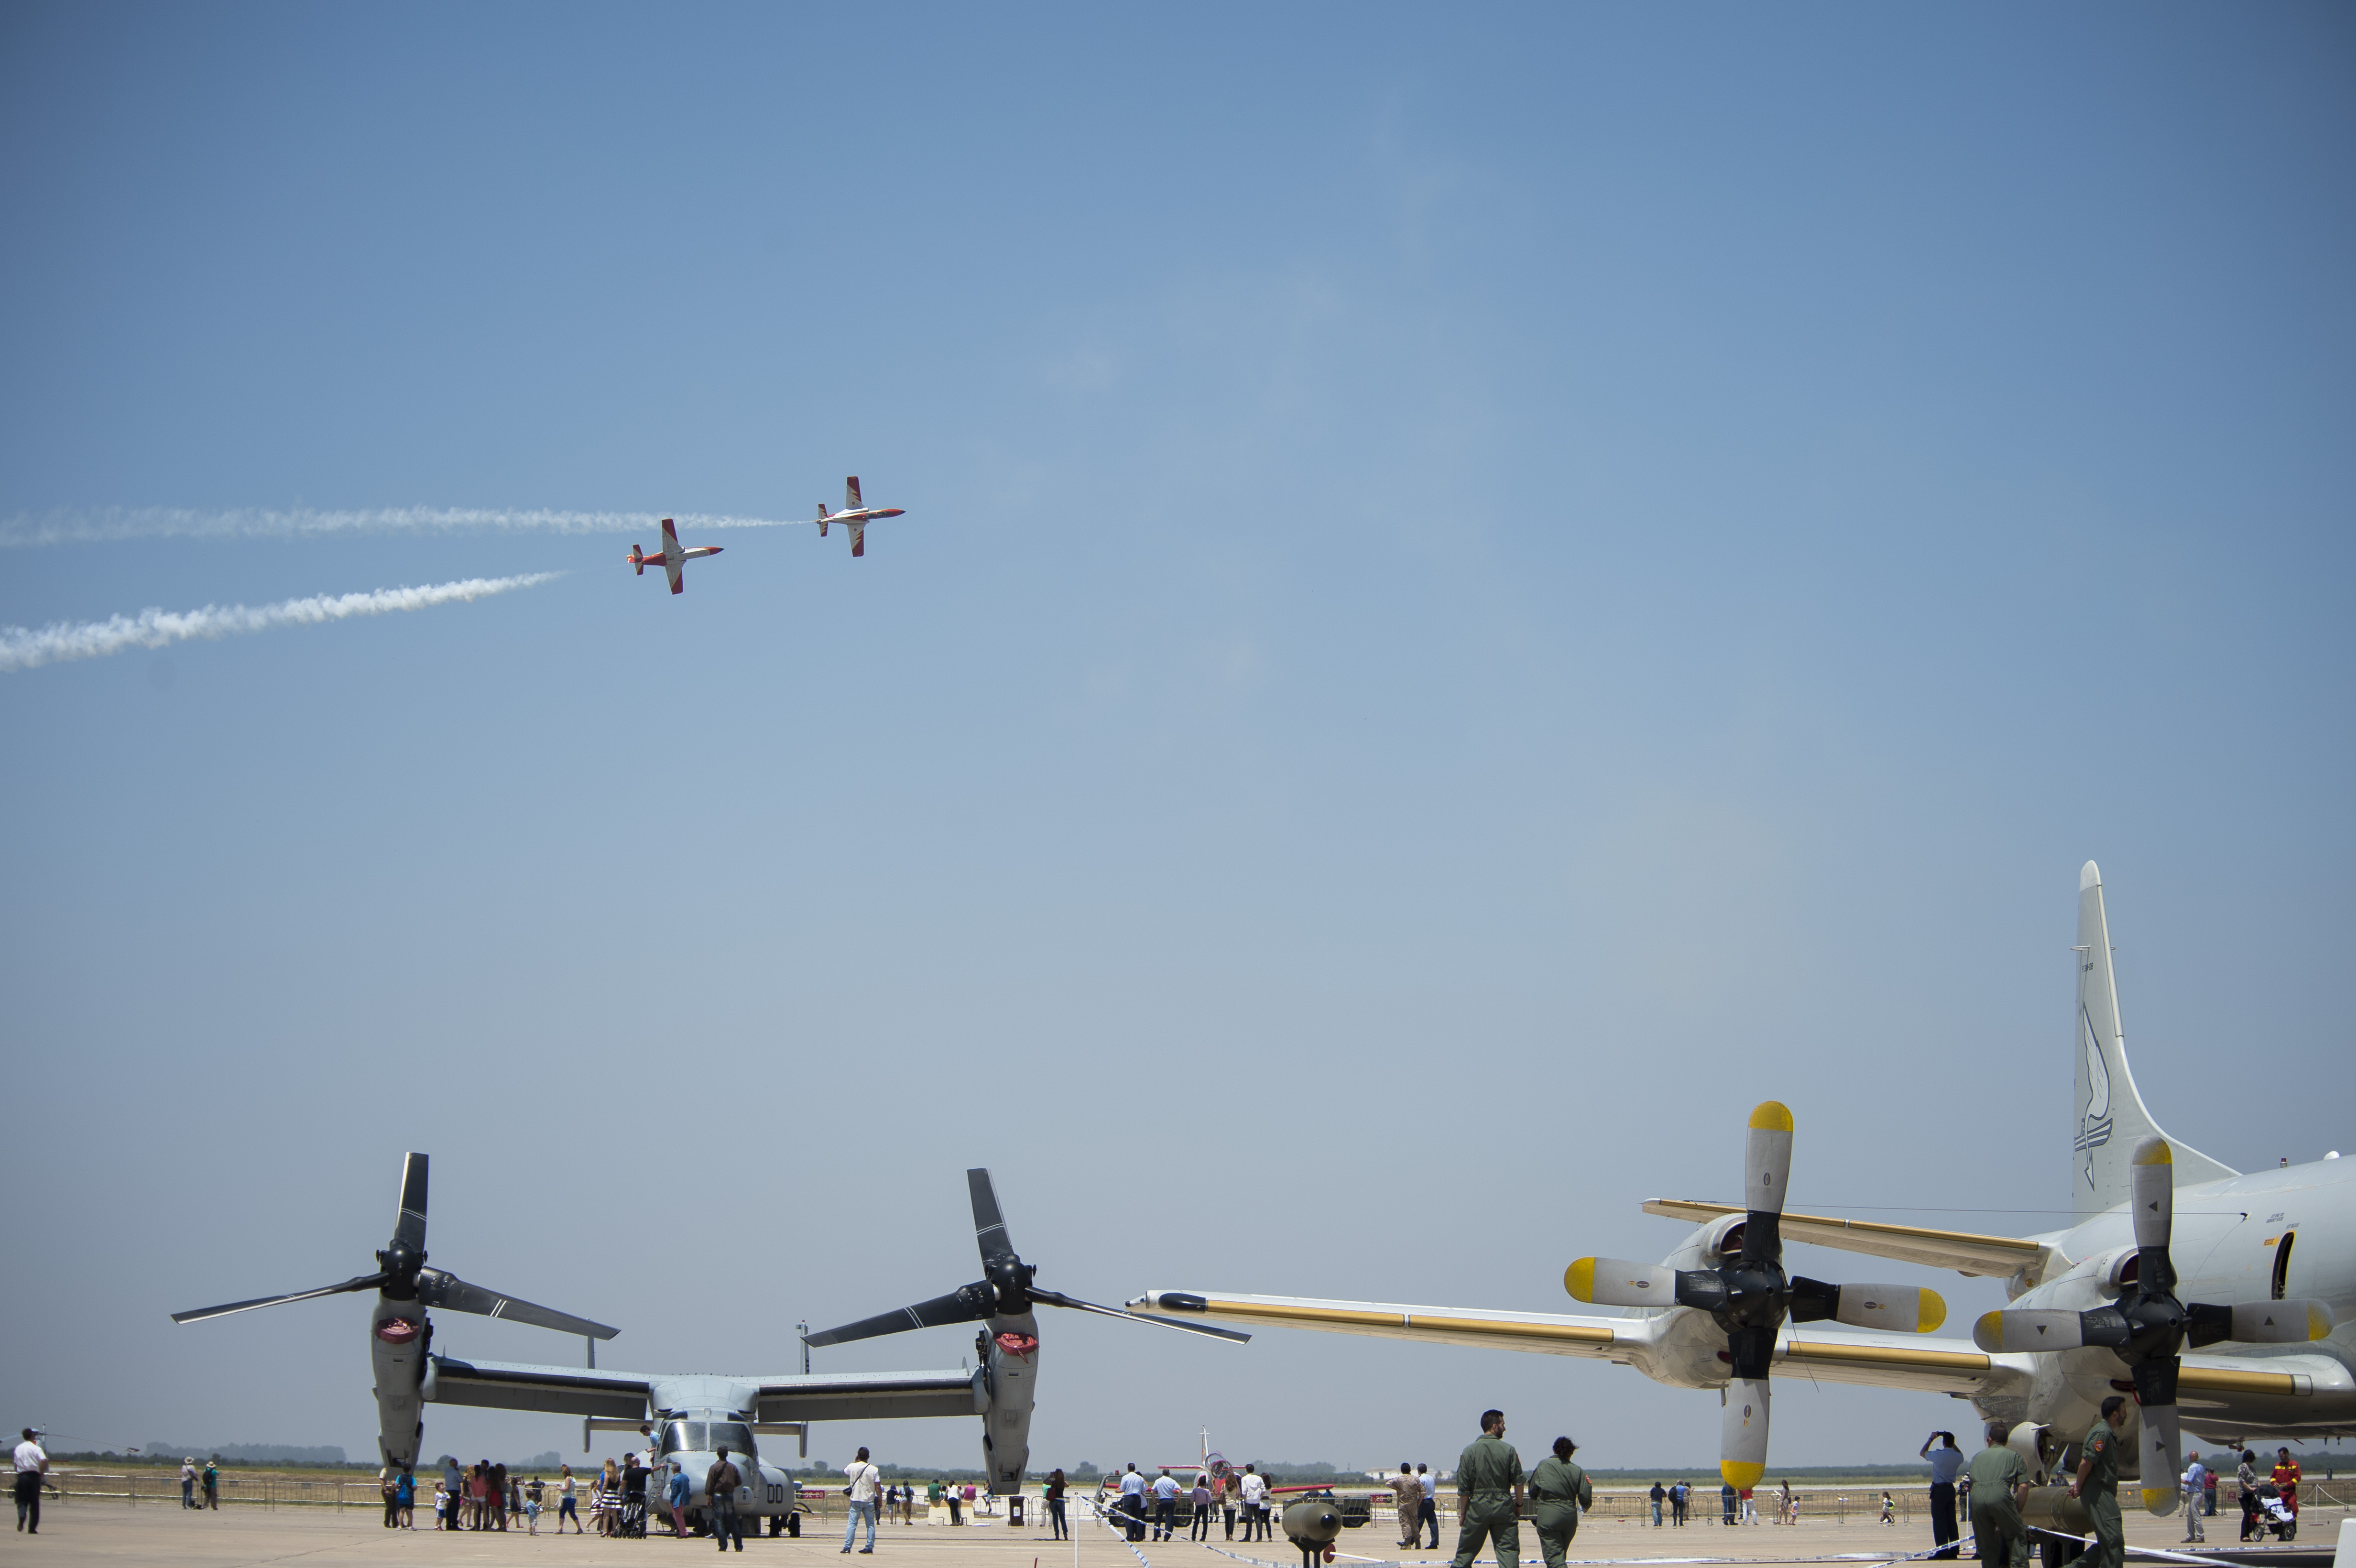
(408, 1225)
(989, 1224)
(452, 1294)
(1612, 1282)
(2161, 1455)
(2151, 1190)
(2259, 1322)
(1057, 1298)
(1892, 1308)
(973, 1304)
(1742, 1432)
(365, 1282)
(1766, 1171)
(2046, 1328)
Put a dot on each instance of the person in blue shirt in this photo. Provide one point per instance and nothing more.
(404, 1496)
(1946, 1464)
(2196, 1476)
(676, 1492)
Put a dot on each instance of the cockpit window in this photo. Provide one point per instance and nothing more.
(702, 1437)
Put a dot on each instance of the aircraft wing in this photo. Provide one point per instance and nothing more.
(561, 1391)
(1679, 1345)
(1550, 1334)
(1966, 1252)
(674, 566)
(870, 1396)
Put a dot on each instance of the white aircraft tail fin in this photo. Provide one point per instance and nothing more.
(851, 501)
(2110, 1113)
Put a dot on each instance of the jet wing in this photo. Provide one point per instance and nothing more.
(675, 567)
(871, 1396)
(1966, 1252)
(1660, 1345)
(561, 1391)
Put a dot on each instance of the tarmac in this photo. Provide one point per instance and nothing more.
(95, 1532)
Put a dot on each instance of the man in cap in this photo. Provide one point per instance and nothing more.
(2097, 1485)
(1489, 1486)
(1559, 1489)
(1999, 1486)
(32, 1473)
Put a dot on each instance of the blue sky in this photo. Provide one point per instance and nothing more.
(1480, 593)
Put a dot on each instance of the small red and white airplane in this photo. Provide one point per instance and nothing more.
(670, 558)
(855, 516)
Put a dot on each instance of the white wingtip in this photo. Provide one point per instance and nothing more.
(2089, 876)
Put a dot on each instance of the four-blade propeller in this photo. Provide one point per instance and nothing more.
(2147, 1327)
(1750, 1295)
(402, 1276)
(1004, 1290)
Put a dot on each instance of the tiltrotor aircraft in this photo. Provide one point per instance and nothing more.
(1007, 1344)
(692, 1414)
(2178, 1283)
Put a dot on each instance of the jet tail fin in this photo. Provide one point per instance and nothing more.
(851, 501)
(821, 519)
(2111, 1117)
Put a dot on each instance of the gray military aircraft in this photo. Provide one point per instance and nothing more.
(693, 1414)
(2251, 1339)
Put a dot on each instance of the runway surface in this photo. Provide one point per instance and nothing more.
(110, 1532)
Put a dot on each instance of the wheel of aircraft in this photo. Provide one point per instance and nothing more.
(2149, 1328)
(1750, 1295)
(1004, 1291)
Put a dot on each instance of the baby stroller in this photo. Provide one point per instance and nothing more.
(2274, 1516)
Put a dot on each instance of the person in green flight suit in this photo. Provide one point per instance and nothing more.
(2097, 1485)
(1559, 1489)
(1999, 1486)
(1489, 1495)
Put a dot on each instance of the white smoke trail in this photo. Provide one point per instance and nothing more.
(97, 526)
(23, 647)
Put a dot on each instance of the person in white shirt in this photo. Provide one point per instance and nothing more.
(1255, 1494)
(865, 1481)
(1165, 1505)
(32, 1474)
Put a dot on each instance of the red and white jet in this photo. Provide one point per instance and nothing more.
(670, 558)
(855, 516)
